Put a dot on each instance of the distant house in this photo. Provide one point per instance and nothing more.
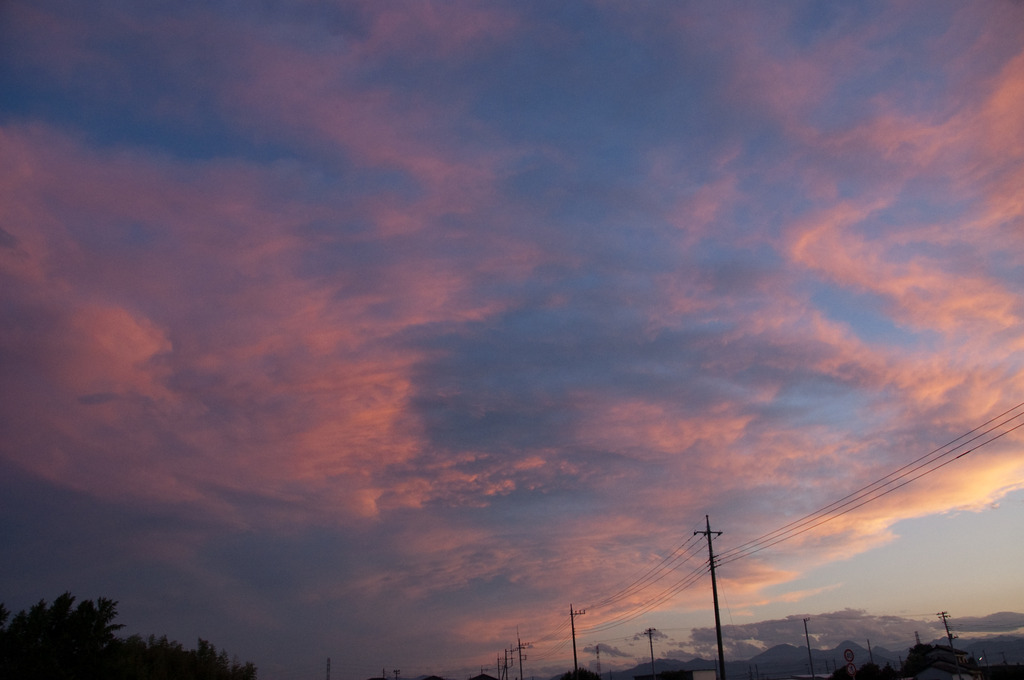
(700, 674)
(948, 663)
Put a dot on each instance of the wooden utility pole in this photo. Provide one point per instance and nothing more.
(810, 662)
(945, 622)
(572, 623)
(714, 593)
(650, 637)
(519, 648)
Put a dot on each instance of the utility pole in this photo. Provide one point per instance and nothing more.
(328, 668)
(572, 623)
(810, 662)
(945, 616)
(519, 648)
(714, 593)
(597, 648)
(650, 637)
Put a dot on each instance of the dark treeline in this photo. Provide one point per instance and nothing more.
(60, 641)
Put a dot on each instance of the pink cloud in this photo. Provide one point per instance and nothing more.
(791, 84)
(971, 154)
(919, 288)
(124, 353)
(650, 430)
(129, 330)
(226, 236)
(436, 29)
(305, 393)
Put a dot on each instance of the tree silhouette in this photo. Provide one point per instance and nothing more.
(583, 674)
(64, 642)
(59, 641)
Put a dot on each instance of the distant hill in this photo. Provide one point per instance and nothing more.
(783, 661)
(786, 660)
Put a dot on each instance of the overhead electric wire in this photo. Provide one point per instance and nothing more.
(651, 576)
(869, 494)
(875, 490)
(638, 610)
(680, 556)
(556, 634)
(912, 471)
(857, 499)
(547, 654)
(734, 557)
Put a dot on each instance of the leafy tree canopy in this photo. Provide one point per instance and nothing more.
(62, 642)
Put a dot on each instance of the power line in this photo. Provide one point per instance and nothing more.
(857, 499)
(642, 608)
(924, 465)
(652, 575)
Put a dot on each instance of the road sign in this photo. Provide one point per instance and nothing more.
(848, 655)
(851, 670)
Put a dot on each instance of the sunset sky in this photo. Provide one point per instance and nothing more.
(379, 331)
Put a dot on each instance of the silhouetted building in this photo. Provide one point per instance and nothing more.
(700, 674)
(948, 663)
